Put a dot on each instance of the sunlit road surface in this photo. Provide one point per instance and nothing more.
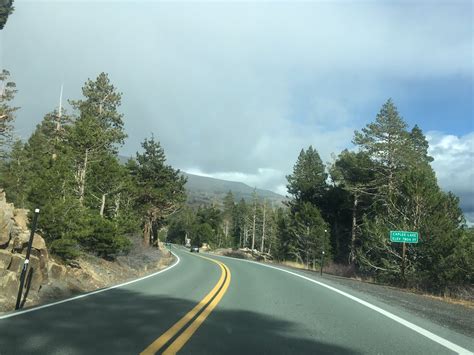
(226, 306)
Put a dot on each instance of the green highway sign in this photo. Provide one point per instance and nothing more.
(403, 237)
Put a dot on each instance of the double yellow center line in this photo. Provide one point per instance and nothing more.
(202, 310)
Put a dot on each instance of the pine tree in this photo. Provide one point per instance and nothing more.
(308, 181)
(107, 179)
(6, 9)
(7, 112)
(354, 173)
(310, 232)
(160, 188)
(98, 130)
(15, 174)
(240, 224)
(285, 243)
(407, 198)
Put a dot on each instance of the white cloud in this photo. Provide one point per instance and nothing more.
(236, 90)
(454, 166)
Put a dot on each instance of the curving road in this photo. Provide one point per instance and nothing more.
(206, 304)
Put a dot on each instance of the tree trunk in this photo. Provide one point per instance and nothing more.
(246, 236)
(263, 230)
(226, 231)
(117, 205)
(102, 206)
(354, 226)
(82, 178)
(253, 228)
(147, 230)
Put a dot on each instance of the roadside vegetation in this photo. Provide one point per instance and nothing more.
(347, 208)
(69, 168)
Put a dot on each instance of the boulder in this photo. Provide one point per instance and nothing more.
(16, 263)
(9, 282)
(6, 222)
(5, 259)
(44, 259)
(38, 242)
(20, 217)
(56, 271)
(20, 242)
(37, 278)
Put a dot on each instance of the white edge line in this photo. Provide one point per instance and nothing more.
(444, 342)
(14, 314)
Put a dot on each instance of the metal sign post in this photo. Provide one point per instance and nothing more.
(403, 237)
(322, 262)
(27, 259)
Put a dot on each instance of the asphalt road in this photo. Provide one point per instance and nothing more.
(225, 306)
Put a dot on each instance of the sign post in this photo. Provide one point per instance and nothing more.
(403, 237)
(322, 262)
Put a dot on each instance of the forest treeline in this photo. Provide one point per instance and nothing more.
(69, 168)
(90, 202)
(347, 209)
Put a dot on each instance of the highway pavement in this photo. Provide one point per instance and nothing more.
(205, 304)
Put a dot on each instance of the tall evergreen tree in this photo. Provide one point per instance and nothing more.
(286, 247)
(354, 173)
(408, 198)
(310, 234)
(160, 188)
(240, 226)
(14, 174)
(386, 141)
(7, 112)
(99, 128)
(308, 181)
(6, 9)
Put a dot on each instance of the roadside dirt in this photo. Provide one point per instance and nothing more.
(91, 273)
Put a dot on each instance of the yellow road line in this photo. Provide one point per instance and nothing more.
(171, 332)
(188, 333)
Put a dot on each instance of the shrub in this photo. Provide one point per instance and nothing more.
(65, 248)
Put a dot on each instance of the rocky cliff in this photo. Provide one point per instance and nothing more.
(52, 280)
(14, 236)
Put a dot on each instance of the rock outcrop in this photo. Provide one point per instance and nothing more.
(14, 237)
(51, 280)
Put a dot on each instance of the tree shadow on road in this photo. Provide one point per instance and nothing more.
(121, 321)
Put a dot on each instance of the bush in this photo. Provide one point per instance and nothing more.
(65, 248)
(104, 238)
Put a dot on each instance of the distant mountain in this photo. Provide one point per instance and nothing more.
(205, 190)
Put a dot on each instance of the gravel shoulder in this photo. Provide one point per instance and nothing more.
(95, 273)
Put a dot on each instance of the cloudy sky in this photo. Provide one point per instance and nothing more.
(235, 89)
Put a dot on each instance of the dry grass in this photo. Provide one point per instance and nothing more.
(448, 299)
(347, 271)
(293, 264)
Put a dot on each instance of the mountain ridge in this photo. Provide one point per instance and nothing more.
(208, 190)
(204, 190)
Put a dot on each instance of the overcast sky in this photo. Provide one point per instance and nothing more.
(235, 90)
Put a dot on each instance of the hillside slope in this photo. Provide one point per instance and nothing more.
(206, 190)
